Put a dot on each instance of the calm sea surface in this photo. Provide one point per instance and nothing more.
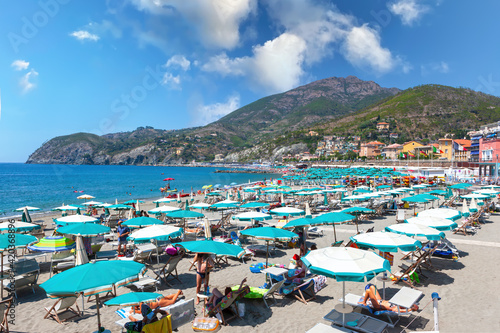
(49, 186)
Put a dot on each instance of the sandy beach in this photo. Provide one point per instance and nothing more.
(467, 288)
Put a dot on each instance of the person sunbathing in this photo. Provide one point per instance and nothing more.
(300, 269)
(160, 302)
(148, 316)
(372, 299)
(217, 296)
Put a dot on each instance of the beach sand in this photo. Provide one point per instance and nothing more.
(467, 288)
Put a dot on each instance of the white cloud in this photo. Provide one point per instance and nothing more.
(440, 67)
(84, 35)
(275, 66)
(205, 114)
(20, 65)
(171, 81)
(178, 61)
(362, 49)
(216, 21)
(410, 11)
(25, 81)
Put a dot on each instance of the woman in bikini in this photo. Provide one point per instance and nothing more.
(203, 265)
(372, 299)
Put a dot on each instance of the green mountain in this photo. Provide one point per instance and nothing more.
(277, 125)
(252, 124)
(420, 113)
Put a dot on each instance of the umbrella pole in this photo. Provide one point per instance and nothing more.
(157, 253)
(267, 253)
(1, 282)
(98, 313)
(83, 303)
(334, 233)
(343, 304)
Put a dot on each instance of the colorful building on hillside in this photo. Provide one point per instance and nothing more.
(411, 146)
(461, 150)
(371, 149)
(446, 146)
(382, 127)
(392, 151)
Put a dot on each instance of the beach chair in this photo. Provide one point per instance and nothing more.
(227, 304)
(169, 270)
(419, 258)
(356, 321)
(63, 305)
(304, 292)
(322, 328)
(468, 226)
(5, 306)
(146, 281)
(62, 261)
(141, 254)
(256, 293)
(26, 275)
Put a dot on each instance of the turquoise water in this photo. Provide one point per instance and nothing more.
(49, 186)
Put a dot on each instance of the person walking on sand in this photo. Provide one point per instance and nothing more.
(123, 232)
(203, 265)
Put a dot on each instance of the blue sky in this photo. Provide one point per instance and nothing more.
(70, 66)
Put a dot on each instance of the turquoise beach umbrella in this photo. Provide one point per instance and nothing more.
(84, 229)
(16, 240)
(129, 202)
(224, 205)
(437, 223)
(92, 279)
(269, 234)
(299, 223)
(332, 219)
(119, 207)
(143, 221)
(133, 298)
(185, 214)
(210, 246)
(255, 204)
(357, 210)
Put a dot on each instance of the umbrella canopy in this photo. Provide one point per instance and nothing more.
(90, 280)
(133, 298)
(438, 223)
(85, 196)
(270, 234)
(224, 205)
(460, 186)
(255, 204)
(163, 209)
(248, 216)
(411, 229)
(143, 221)
(346, 263)
(92, 203)
(300, 223)
(386, 241)
(210, 246)
(200, 205)
(29, 208)
(77, 218)
(475, 196)
(465, 208)
(185, 214)
(333, 218)
(164, 200)
(287, 211)
(65, 208)
(129, 202)
(84, 229)
(158, 232)
(446, 213)
(357, 210)
(53, 244)
(18, 226)
(119, 207)
(7, 241)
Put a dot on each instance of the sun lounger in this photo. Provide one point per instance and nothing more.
(145, 282)
(227, 304)
(169, 270)
(391, 317)
(356, 321)
(322, 328)
(27, 272)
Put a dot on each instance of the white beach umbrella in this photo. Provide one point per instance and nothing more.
(163, 209)
(473, 205)
(77, 218)
(465, 209)
(80, 252)
(164, 200)
(285, 211)
(386, 241)
(65, 207)
(29, 208)
(18, 226)
(308, 210)
(411, 229)
(435, 222)
(200, 205)
(85, 196)
(475, 196)
(93, 203)
(446, 213)
(248, 216)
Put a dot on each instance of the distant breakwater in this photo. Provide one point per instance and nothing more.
(245, 171)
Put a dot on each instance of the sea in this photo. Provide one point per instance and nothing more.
(48, 186)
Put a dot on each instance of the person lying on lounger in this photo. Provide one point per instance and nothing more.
(372, 299)
(160, 302)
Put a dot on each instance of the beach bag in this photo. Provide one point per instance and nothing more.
(171, 251)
